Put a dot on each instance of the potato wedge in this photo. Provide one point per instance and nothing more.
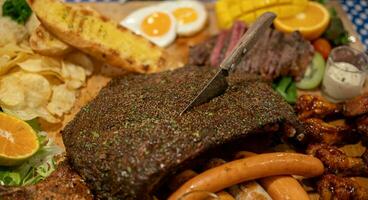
(98, 36)
(44, 43)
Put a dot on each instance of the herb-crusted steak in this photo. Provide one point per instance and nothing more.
(131, 137)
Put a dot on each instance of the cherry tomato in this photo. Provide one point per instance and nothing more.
(322, 46)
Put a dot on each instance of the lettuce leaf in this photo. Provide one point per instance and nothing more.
(36, 168)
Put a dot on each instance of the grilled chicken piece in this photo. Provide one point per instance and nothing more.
(63, 184)
(332, 187)
(319, 131)
(308, 106)
(337, 162)
(357, 106)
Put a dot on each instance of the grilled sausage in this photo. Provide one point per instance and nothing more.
(259, 166)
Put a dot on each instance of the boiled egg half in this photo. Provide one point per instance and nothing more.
(191, 16)
(154, 23)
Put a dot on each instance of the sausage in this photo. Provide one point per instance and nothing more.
(258, 166)
(279, 187)
(225, 196)
(284, 187)
(181, 178)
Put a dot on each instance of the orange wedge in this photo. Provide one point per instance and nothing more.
(18, 141)
(311, 22)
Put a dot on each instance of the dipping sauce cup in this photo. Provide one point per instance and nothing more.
(199, 195)
(345, 74)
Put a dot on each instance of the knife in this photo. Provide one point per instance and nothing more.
(218, 84)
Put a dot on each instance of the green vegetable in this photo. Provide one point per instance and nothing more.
(314, 74)
(18, 10)
(34, 124)
(336, 32)
(321, 1)
(35, 169)
(286, 87)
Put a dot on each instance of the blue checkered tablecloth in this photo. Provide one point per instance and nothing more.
(357, 11)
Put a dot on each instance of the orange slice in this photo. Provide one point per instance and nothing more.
(18, 141)
(311, 22)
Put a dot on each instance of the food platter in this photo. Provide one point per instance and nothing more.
(138, 91)
(179, 50)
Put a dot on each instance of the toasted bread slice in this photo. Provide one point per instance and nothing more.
(98, 36)
(43, 42)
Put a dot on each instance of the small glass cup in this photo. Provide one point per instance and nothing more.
(345, 74)
(199, 195)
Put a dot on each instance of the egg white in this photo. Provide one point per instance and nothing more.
(193, 27)
(133, 22)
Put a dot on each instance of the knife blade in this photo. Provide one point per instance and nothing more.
(218, 84)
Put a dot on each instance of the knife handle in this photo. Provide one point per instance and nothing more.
(248, 40)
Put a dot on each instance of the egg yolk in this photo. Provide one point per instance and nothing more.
(185, 15)
(156, 24)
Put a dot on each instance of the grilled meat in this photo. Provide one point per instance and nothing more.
(274, 55)
(308, 106)
(63, 184)
(337, 162)
(318, 131)
(199, 53)
(356, 106)
(129, 139)
(332, 187)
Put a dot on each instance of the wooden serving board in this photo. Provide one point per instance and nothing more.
(178, 51)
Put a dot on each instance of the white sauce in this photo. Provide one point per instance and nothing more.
(343, 81)
(5, 134)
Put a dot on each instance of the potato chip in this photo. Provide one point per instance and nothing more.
(12, 49)
(82, 60)
(46, 115)
(12, 62)
(40, 65)
(11, 94)
(62, 100)
(31, 113)
(73, 73)
(36, 87)
(74, 84)
(24, 114)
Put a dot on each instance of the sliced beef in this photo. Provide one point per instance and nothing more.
(275, 54)
(130, 139)
(199, 54)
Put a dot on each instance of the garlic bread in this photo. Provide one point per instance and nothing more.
(98, 36)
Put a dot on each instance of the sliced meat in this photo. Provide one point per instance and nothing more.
(275, 54)
(62, 184)
(199, 55)
(337, 162)
(332, 187)
(219, 48)
(236, 33)
(128, 140)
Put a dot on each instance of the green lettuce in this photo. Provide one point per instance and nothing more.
(36, 168)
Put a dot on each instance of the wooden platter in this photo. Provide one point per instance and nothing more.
(178, 52)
